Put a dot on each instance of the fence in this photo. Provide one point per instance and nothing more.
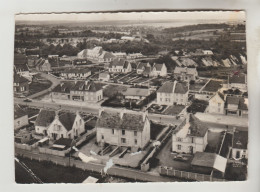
(169, 171)
(53, 152)
(23, 146)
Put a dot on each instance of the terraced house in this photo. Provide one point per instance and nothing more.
(158, 70)
(75, 73)
(185, 74)
(172, 93)
(120, 66)
(123, 129)
(190, 136)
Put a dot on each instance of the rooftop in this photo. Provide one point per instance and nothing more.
(240, 139)
(241, 79)
(136, 92)
(18, 112)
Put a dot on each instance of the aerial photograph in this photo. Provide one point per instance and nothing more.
(124, 97)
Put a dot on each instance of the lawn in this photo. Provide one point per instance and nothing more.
(21, 175)
(38, 84)
(111, 90)
(236, 173)
(30, 111)
(197, 106)
(174, 110)
(213, 86)
(214, 140)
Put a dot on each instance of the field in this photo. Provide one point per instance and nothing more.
(111, 90)
(213, 86)
(38, 84)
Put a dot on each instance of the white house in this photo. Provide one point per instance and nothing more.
(172, 93)
(216, 104)
(239, 145)
(185, 74)
(190, 136)
(158, 70)
(120, 66)
(238, 82)
(141, 67)
(43, 121)
(123, 128)
(137, 94)
(104, 76)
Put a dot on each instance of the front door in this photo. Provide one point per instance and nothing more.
(191, 149)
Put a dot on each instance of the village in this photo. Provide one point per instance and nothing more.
(132, 115)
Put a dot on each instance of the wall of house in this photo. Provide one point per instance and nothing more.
(180, 99)
(57, 128)
(240, 151)
(63, 96)
(93, 96)
(146, 134)
(78, 126)
(170, 98)
(216, 105)
(240, 86)
(21, 121)
(41, 129)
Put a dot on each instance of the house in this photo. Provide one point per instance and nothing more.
(190, 136)
(158, 70)
(43, 121)
(43, 65)
(23, 136)
(209, 163)
(86, 91)
(62, 91)
(237, 106)
(163, 53)
(20, 117)
(104, 76)
(120, 66)
(134, 55)
(123, 129)
(185, 74)
(207, 52)
(66, 125)
(21, 67)
(59, 124)
(106, 57)
(238, 81)
(20, 84)
(137, 94)
(216, 104)
(172, 93)
(75, 73)
(120, 54)
(141, 67)
(239, 145)
(127, 38)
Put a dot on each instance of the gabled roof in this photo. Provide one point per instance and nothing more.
(197, 127)
(45, 118)
(136, 92)
(180, 88)
(119, 62)
(18, 112)
(166, 87)
(129, 121)
(220, 95)
(147, 70)
(63, 87)
(240, 139)
(173, 87)
(86, 86)
(158, 67)
(241, 79)
(141, 65)
(67, 119)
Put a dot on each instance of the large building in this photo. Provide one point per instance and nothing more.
(185, 74)
(120, 66)
(190, 136)
(217, 104)
(172, 93)
(123, 129)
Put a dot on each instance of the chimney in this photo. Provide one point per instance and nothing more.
(188, 118)
(122, 111)
(57, 115)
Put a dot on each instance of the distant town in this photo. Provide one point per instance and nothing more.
(130, 102)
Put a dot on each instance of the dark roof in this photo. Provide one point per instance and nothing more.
(147, 70)
(63, 141)
(108, 55)
(76, 70)
(63, 87)
(180, 88)
(45, 118)
(131, 91)
(18, 112)
(67, 120)
(19, 78)
(204, 159)
(241, 78)
(197, 127)
(166, 87)
(20, 59)
(119, 62)
(112, 120)
(86, 86)
(239, 101)
(169, 86)
(158, 67)
(21, 67)
(240, 139)
(141, 65)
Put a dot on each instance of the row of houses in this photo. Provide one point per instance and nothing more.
(86, 91)
(151, 71)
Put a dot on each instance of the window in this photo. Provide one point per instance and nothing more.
(123, 132)
(218, 109)
(219, 104)
(135, 141)
(80, 121)
(61, 135)
(179, 147)
(135, 133)
(113, 131)
(102, 137)
(192, 140)
(179, 139)
(123, 140)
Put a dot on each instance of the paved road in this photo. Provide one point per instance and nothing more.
(114, 171)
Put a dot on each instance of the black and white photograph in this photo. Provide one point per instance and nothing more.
(126, 97)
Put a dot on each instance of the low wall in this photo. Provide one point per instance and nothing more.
(53, 152)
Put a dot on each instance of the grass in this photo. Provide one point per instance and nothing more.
(213, 86)
(22, 176)
(236, 173)
(38, 84)
(30, 111)
(111, 90)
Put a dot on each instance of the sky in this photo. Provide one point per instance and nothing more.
(136, 16)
